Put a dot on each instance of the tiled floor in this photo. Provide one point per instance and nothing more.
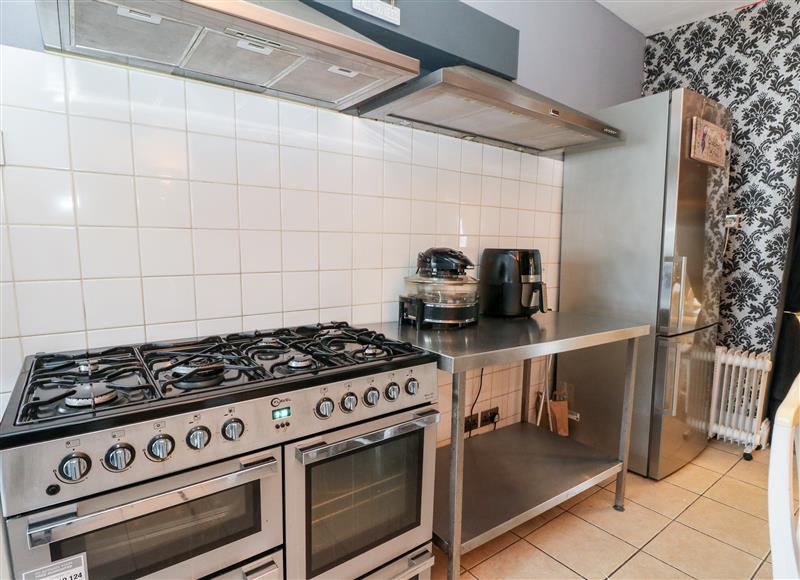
(708, 520)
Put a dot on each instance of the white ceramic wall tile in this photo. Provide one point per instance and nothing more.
(335, 132)
(49, 307)
(216, 251)
(44, 253)
(157, 100)
(209, 109)
(298, 168)
(159, 152)
(38, 196)
(256, 117)
(113, 303)
(213, 205)
(335, 288)
(10, 363)
(218, 296)
(34, 138)
(299, 210)
(335, 172)
(156, 260)
(168, 299)
(38, 79)
(97, 90)
(300, 251)
(212, 158)
(100, 145)
(261, 293)
(259, 208)
(335, 251)
(104, 200)
(294, 214)
(109, 252)
(300, 290)
(258, 164)
(163, 203)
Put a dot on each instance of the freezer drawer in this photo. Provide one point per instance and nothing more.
(682, 391)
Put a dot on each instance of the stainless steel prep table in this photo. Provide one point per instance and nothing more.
(516, 473)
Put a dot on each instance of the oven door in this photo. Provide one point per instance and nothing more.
(361, 496)
(184, 526)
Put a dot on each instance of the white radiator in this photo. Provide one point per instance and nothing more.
(737, 398)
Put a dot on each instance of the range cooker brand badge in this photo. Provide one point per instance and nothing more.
(277, 401)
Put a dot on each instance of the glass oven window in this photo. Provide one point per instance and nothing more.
(155, 541)
(360, 499)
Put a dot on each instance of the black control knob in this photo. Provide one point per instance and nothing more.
(198, 437)
(371, 397)
(119, 457)
(324, 408)
(232, 429)
(349, 402)
(74, 467)
(412, 386)
(392, 391)
(160, 447)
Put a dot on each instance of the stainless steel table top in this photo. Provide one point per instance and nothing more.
(494, 341)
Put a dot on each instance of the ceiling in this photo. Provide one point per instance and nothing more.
(652, 16)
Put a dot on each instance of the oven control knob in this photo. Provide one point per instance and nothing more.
(119, 457)
(160, 447)
(232, 429)
(371, 397)
(74, 467)
(392, 391)
(412, 386)
(324, 408)
(349, 402)
(198, 437)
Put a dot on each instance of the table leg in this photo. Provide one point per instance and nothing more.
(526, 390)
(456, 474)
(627, 417)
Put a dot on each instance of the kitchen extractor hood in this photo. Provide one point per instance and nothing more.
(468, 103)
(278, 46)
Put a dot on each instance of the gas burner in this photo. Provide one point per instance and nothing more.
(88, 366)
(301, 362)
(372, 351)
(90, 395)
(197, 375)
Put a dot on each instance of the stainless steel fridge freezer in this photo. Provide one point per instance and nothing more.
(642, 238)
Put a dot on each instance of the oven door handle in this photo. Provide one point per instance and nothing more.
(322, 450)
(70, 525)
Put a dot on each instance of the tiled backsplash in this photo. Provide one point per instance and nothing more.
(138, 206)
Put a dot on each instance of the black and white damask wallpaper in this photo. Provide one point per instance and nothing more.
(748, 60)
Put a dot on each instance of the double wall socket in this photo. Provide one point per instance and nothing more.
(471, 422)
(490, 416)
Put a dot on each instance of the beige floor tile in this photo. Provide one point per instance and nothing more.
(523, 530)
(521, 560)
(579, 498)
(661, 496)
(748, 533)
(764, 572)
(636, 525)
(699, 555)
(753, 472)
(694, 478)
(726, 447)
(761, 456)
(481, 553)
(439, 570)
(610, 481)
(643, 566)
(582, 547)
(716, 460)
(740, 495)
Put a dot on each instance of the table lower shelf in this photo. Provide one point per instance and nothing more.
(512, 475)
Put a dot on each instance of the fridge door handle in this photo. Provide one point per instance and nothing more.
(678, 290)
(672, 390)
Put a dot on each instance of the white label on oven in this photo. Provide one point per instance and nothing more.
(72, 568)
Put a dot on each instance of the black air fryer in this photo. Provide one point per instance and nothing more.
(511, 283)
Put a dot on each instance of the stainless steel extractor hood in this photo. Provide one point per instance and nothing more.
(278, 46)
(472, 104)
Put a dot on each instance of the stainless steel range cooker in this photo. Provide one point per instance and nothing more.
(170, 460)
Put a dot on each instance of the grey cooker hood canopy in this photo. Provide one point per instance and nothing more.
(468, 103)
(281, 47)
